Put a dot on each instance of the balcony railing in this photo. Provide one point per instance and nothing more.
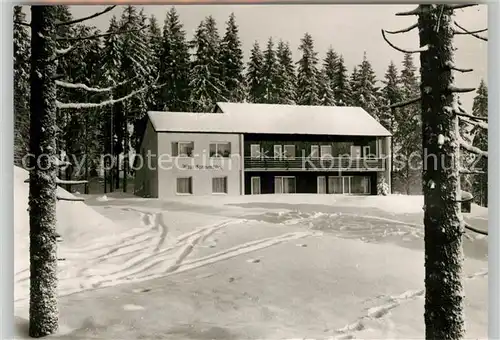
(315, 164)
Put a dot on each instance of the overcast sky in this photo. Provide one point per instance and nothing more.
(349, 29)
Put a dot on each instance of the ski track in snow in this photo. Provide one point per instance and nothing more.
(142, 253)
(380, 314)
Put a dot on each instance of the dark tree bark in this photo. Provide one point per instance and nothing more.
(125, 159)
(444, 296)
(43, 309)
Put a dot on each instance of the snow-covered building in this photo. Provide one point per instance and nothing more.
(243, 148)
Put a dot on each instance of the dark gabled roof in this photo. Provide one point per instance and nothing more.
(272, 119)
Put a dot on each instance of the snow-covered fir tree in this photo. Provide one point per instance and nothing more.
(391, 95)
(206, 84)
(365, 92)
(307, 76)
(231, 58)
(286, 78)
(270, 74)
(325, 92)
(21, 85)
(136, 65)
(111, 76)
(155, 43)
(81, 132)
(64, 66)
(408, 135)
(254, 76)
(175, 65)
(480, 140)
(330, 65)
(341, 88)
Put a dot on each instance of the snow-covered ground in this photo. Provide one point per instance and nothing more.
(253, 267)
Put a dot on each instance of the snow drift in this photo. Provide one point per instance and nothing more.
(76, 222)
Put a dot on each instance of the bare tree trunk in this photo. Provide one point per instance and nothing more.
(393, 112)
(407, 175)
(86, 155)
(125, 159)
(444, 295)
(43, 309)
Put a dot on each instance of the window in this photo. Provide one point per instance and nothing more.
(255, 185)
(326, 151)
(182, 149)
(289, 151)
(314, 151)
(219, 185)
(255, 150)
(284, 185)
(222, 149)
(367, 152)
(360, 185)
(355, 151)
(278, 151)
(185, 185)
(336, 185)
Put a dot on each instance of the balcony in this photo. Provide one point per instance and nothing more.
(315, 164)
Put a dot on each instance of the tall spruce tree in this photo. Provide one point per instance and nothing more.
(21, 86)
(325, 92)
(330, 66)
(408, 135)
(307, 77)
(111, 76)
(392, 95)
(286, 78)
(354, 86)
(206, 84)
(270, 74)
(45, 49)
(255, 70)
(365, 91)
(231, 56)
(175, 65)
(341, 88)
(43, 309)
(480, 140)
(137, 66)
(80, 131)
(155, 43)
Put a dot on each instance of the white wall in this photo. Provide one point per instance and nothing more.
(170, 168)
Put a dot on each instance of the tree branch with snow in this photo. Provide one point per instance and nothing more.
(416, 11)
(480, 124)
(470, 116)
(471, 172)
(454, 7)
(419, 50)
(473, 149)
(70, 199)
(69, 182)
(95, 15)
(404, 103)
(100, 35)
(104, 103)
(404, 30)
(479, 231)
(472, 33)
(22, 23)
(453, 89)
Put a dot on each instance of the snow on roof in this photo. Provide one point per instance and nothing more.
(272, 119)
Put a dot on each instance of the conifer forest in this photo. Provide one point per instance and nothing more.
(81, 92)
(193, 75)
